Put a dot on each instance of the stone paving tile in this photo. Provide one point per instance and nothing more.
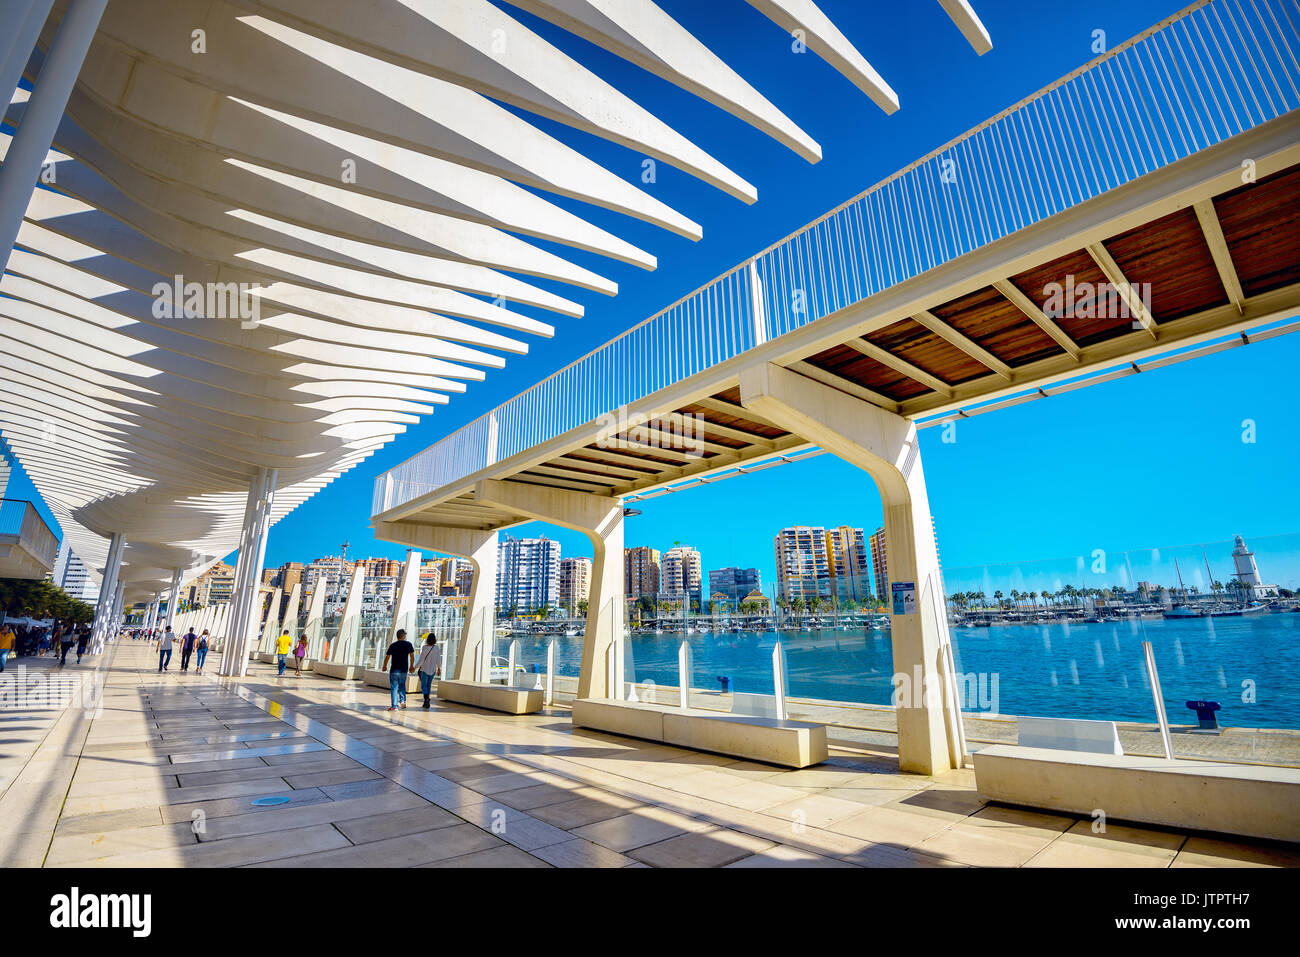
(579, 811)
(225, 807)
(495, 857)
(278, 849)
(90, 846)
(109, 821)
(342, 775)
(580, 853)
(377, 827)
(1213, 852)
(628, 831)
(714, 848)
(407, 851)
(783, 855)
(514, 827)
(284, 817)
(816, 810)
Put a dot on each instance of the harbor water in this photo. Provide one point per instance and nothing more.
(1071, 670)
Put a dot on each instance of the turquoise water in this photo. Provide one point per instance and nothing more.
(1059, 670)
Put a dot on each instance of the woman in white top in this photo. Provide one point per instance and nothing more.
(429, 665)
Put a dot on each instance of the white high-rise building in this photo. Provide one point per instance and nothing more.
(1248, 572)
(575, 582)
(528, 575)
(73, 577)
(681, 575)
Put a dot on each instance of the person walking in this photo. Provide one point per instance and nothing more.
(428, 666)
(165, 644)
(83, 639)
(401, 652)
(201, 652)
(187, 648)
(299, 654)
(281, 652)
(65, 645)
(6, 644)
(43, 644)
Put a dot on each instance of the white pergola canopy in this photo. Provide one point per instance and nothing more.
(361, 177)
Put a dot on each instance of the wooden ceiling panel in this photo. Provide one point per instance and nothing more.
(988, 319)
(1261, 223)
(850, 364)
(1078, 277)
(912, 342)
(1172, 256)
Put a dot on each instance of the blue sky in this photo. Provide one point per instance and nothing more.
(1152, 459)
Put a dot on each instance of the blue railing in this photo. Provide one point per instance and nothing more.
(1217, 69)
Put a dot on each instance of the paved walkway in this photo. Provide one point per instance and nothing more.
(168, 772)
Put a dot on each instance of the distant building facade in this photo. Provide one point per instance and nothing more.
(528, 575)
(575, 582)
(680, 576)
(880, 564)
(641, 572)
(734, 583)
(72, 575)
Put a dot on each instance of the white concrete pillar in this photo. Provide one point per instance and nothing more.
(601, 519)
(315, 624)
(173, 598)
(480, 548)
(345, 645)
(885, 446)
(20, 26)
(41, 118)
(406, 607)
(107, 592)
(271, 625)
(245, 599)
(119, 609)
(289, 620)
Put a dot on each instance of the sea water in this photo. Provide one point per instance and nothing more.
(1249, 665)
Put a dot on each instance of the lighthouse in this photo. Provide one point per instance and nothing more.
(1248, 572)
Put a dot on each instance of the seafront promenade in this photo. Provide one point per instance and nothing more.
(167, 773)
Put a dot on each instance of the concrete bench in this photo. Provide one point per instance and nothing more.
(1245, 799)
(379, 679)
(1068, 734)
(508, 698)
(336, 669)
(792, 744)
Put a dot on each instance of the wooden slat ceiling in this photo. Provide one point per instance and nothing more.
(1261, 226)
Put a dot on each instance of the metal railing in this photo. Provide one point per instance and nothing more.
(1212, 71)
(19, 517)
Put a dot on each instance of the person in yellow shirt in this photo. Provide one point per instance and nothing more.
(6, 645)
(282, 645)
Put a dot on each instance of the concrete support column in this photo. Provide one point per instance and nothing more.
(119, 607)
(601, 519)
(406, 610)
(49, 98)
(245, 599)
(289, 620)
(173, 598)
(271, 625)
(886, 447)
(480, 548)
(107, 592)
(315, 624)
(344, 645)
(20, 26)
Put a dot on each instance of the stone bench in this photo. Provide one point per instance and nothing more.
(336, 669)
(379, 679)
(1245, 799)
(508, 698)
(792, 744)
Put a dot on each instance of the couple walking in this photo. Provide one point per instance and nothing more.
(427, 666)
